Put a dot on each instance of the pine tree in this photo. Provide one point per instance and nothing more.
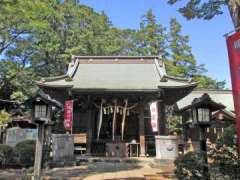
(151, 38)
(181, 60)
(207, 9)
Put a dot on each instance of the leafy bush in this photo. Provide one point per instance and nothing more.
(26, 151)
(7, 155)
(224, 160)
(224, 155)
(190, 166)
(4, 117)
(227, 160)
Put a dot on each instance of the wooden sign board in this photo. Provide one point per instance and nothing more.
(80, 138)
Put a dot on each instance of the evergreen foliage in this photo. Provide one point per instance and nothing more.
(207, 9)
(37, 39)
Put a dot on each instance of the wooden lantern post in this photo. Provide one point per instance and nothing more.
(42, 108)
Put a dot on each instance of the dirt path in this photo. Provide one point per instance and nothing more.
(144, 169)
(110, 171)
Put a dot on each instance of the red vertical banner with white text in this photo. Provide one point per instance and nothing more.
(68, 115)
(233, 44)
(154, 116)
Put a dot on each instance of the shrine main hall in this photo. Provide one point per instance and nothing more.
(111, 97)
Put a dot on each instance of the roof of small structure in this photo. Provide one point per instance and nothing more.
(44, 97)
(204, 101)
(221, 96)
(116, 73)
(227, 115)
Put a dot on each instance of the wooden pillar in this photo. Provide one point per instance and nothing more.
(47, 144)
(141, 131)
(185, 117)
(38, 152)
(89, 131)
(161, 118)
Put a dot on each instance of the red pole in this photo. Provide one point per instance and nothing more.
(233, 44)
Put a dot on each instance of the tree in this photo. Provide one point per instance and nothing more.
(19, 18)
(16, 82)
(151, 38)
(37, 38)
(210, 8)
(182, 62)
(205, 82)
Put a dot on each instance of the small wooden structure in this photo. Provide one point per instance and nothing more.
(111, 97)
(192, 132)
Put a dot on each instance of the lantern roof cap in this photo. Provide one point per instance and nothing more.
(204, 101)
(45, 98)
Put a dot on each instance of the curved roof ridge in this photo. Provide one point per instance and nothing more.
(113, 57)
(160, 69)
(180, 79)
(72, 68)
(53, 78)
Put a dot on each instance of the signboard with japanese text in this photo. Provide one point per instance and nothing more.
(68, 114)
(154, 116)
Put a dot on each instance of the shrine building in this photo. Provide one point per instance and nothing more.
(111, 97)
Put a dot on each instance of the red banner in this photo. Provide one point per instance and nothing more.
(68, 114)
(233, 43)
(154, 116)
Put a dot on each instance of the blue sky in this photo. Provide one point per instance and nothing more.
(206, 37)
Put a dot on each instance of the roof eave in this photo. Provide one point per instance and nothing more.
(113, 90)
(193, 85)
(53, 86)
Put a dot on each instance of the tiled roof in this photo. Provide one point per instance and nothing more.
(121, 73)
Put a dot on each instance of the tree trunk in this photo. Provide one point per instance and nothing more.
(234, 9)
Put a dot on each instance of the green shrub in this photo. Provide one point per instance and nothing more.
(190, 166)
(26, 151)
(7, 155)
(224, 155)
